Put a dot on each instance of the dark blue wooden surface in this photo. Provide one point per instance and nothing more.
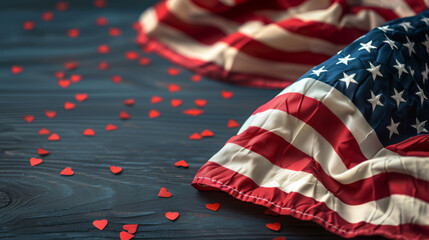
(38, 203)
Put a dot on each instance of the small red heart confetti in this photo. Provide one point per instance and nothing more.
(42, 152)
(28, 118)
(195, 136)
(181, 163)
(67, 172)
(200, 102)
(50, 114)
(279, 238)
(172, 216)
(114, 32)
(100, 3)
(125, 236)
(71, 65)
(54, 137)
(269, 212)
(47, 16)
(28, 25)
(80, 97)
(274, 226)
(111, 127)
(44, 131)
(35, 161)
(196, 78)
(115, 170)
(232, 123)
(144, 61)
(116, 79)
(61, 6)
(227, 94)
(103, 65)
(173, 87)
(73, 33)
(64, 83)
(131, 228)
(176, 102)
(207, 133)
(124, 115)
(103, 49)
(74, 78)
(156, 99)
(173, 71)
(193, 112)
(89, 132)
(131, 55)
(69, 106)
(59, 75)
(164, 193)
(154, 113)
(15, 69)
(100, 224)
(128, 102)
(102, 21)
(213, 206)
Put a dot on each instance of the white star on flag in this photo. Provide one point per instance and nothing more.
(390, 42)
(406, 25)
(375, 100)
(393, 128)
(319, 71)
(398, 97)
(385, 28)
(400, 67)
(420, 126)
(425, 20)
(421, 94)
(345, 60)
(426, 43)
(374, 70)
(367, 46)
(425, 73)
(348, 79)
(410, 46)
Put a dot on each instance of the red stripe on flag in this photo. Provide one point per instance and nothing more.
(415, 146)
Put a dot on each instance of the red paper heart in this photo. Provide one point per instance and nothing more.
(50, 114)
(195, 136)
(128, 102)
(111, 127)
(103, 65)
(73, 33)
(64, 83)
(156, 99)
(173, 87)
(173, 71)
(44, 131)
(200, 102)
(89, 132)
(80, 97)
(125, 236)
(100, 224)
(61, 6)
(154, 113)
(42, 152)
(131, 228)
(193, 112)
(232, 123)
(28, 118)
(15, 69)
(103, 48)
(74, 78)
(47, 16)
(131, 55)
(124, 115)
(172, 216)
(102, 21)
(196, 78)
(35, 161)
(54, 137)
(71, 65)
(115, 170)
(69, 105)
(28, 25)
(59, 74)
(213, 206)
(67, 172)
(164, 193)
(227, 94)
(269, 212)
(181, 163)
(116, 79)
(274, 226)
(176, 102)
(114, 32)
(144, 61)
(207, 133)
(100, 3)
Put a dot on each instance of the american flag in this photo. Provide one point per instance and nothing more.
(268, 43)
(347, 145)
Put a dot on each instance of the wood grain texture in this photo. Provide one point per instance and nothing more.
(38, 203)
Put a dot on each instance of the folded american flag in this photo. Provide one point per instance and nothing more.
(268, 43)
(347, 145)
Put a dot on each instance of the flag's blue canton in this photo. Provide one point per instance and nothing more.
(385, 73)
